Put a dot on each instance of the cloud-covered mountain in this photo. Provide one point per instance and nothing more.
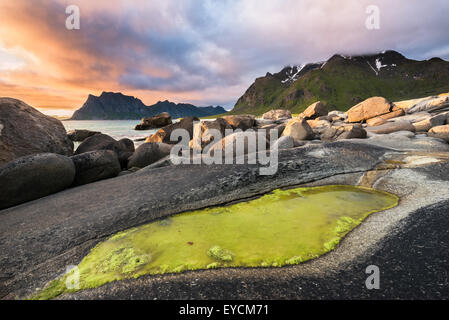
(343, 81)
(117, 106)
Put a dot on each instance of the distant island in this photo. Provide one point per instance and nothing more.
(117, 106)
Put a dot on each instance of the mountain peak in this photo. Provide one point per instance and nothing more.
(116, 105)
(345, 79)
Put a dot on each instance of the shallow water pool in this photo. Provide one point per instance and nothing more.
(280, 228)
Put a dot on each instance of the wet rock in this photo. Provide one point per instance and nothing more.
(95, 165)
(149, 153)
(368, 109)
(24, 131)
(34, 176)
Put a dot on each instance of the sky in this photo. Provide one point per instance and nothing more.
(201, 52)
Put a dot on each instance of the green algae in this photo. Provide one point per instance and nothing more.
(284, 227)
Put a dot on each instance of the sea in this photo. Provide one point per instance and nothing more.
(118, 129)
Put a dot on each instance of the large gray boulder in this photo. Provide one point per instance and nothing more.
(34, 176)
(123, 148)
(24, 131)
(148, 153)
(95, 165)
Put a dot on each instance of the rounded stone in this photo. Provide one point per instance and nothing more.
(34, 176)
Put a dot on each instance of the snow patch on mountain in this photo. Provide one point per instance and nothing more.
(379, 64)
(292, 73)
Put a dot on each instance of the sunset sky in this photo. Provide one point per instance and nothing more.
(201, 52)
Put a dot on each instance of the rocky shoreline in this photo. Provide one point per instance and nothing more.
(58, 205)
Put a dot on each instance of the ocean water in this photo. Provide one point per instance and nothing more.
(118, 129)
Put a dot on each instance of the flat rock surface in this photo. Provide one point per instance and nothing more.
(40, 238)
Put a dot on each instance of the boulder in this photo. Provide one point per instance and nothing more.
(122, 148)
(440, 132)
(390, 127)
(127, 145)
(268, 130)
(264, 122)
(242, 121)
(24, 131)
(163, 134)
(315, 110)
(336, 115)
(34, 176)
(206, 134)
(344, 132)
(284, 142)
(299, 129)
(95, 165)
(427, 124)
(383, 118)
(412, 118)
(247, 141)
(80, 134)
(277, 114)
(317, 123)
(158, 121)
(149, 153)
(407, 104)
(430, 104)
(368, 109)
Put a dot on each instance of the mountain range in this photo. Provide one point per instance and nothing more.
(343, 81)
(117, 106)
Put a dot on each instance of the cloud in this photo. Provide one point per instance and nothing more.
(203, 52)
